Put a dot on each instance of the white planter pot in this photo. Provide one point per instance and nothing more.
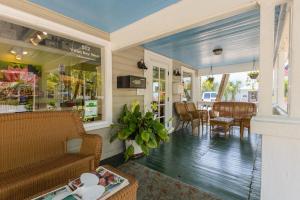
(137, 148)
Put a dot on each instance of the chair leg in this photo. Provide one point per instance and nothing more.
(241, 131)
(177, 124)
(188, 123)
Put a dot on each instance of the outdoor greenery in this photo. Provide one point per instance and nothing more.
(231, 90)
(208, 86)
(286, 87)
(144, 128)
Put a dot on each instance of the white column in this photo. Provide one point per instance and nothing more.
(280, 79)
(267, 24)
(294, 79)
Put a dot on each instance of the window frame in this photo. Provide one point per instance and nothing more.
(22, 18)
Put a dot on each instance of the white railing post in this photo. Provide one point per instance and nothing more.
(267, 24)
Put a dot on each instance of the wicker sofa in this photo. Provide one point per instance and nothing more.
(33, 153)
(241, 112)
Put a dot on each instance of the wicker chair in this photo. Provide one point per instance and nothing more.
(34, 158)
(186, 118)
(201, 114)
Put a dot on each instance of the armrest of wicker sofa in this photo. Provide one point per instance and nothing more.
(92, 145)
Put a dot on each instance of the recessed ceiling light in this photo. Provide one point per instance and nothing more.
(45, 33)
(18, 57)
(13, 51)
(24, 52)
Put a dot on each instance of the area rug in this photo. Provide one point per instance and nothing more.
(157, 186)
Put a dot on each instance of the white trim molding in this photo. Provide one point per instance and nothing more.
(23, 18)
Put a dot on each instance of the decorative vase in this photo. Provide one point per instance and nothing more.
(137, 149)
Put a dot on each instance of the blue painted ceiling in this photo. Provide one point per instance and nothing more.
(238, 36)
(107, 15)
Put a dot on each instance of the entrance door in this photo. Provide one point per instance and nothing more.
(158, 97)
(159, 93)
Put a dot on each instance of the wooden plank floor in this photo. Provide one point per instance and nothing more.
(227, 167)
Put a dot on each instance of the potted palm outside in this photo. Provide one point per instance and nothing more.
(140, 131)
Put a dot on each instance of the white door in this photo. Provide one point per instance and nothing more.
(158, 97)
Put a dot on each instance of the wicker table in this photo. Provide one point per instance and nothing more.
(127, 193)
(221, 124)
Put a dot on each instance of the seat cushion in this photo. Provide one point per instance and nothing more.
(27, 181)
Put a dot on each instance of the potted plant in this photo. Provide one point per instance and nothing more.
(253, 74)
(210, 79)
(140, 131)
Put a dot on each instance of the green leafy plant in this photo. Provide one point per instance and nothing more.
(144, 128)
(253, 74)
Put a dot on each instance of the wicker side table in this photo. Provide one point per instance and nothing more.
(221, 124)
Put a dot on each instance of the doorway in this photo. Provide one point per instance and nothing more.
(158, 97)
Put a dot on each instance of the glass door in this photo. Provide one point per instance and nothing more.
(159, 93)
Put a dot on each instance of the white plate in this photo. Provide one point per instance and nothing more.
(92, 192)
(89, 179)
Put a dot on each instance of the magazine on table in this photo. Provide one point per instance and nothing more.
(111, 182)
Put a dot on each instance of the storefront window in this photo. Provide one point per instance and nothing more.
(40, 71)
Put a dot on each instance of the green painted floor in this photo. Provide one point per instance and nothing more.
(227, 167)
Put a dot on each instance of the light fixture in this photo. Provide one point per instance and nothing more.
(19, 57)
(218, 51)
(38, 37)
(32, 40)
(19, 52)
(141, 64)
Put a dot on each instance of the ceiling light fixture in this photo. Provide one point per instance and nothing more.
(32, 40)
(19, 52)
(39, 37)
(19, 57)
(218, 51)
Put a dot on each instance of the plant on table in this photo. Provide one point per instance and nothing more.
(142, 128)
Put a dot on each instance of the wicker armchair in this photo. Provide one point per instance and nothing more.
(201, 114)
(185, 117)
(33, 155)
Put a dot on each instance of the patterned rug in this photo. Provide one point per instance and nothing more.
(157, 186)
